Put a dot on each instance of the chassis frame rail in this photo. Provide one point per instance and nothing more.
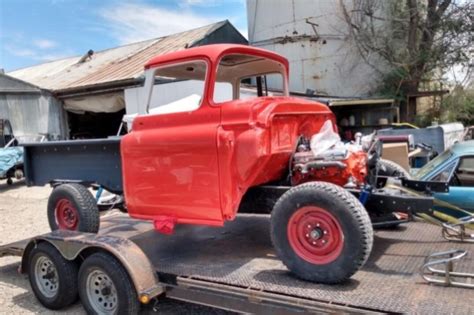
(247, 300)
(447, 276)
(457, 231)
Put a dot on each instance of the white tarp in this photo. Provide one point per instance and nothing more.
(104, 103)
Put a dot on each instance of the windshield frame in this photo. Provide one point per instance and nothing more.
(425, 172)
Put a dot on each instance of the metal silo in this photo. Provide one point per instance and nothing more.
(313, 35)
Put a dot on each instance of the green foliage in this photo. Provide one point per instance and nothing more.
(458, 106)
(390, 86)
(408, 41)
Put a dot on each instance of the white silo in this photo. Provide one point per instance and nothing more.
(313, 35)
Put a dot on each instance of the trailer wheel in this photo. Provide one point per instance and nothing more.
(73, 207)
(9, 181)
(321, 232)
(392, 169)
(105, 286)
(52, 277)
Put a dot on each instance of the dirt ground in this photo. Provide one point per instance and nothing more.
(23, 213)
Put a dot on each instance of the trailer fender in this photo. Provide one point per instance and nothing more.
(73, 245)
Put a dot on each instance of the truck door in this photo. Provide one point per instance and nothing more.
(169, 159)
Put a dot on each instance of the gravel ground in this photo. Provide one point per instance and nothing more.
(23, 213)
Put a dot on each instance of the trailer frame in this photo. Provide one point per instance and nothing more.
(135, 244)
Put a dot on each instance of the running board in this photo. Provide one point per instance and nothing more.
(446, 277)
(457, 231)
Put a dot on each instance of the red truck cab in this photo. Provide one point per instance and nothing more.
(205, 144)
(192, 163)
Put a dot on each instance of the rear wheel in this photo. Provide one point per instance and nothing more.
(105, 286)
(73, 207)
(52, 277)
(321, 232)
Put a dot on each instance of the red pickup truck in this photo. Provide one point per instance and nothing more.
(205, 146)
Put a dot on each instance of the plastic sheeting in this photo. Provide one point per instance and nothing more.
(325, 139)
(9, 157)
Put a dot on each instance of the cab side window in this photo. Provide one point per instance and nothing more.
(178, 88)
(464, 174)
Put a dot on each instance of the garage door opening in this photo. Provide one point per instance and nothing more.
(90, 125)
(95, 116)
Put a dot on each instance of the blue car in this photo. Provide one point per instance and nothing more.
(456, 167)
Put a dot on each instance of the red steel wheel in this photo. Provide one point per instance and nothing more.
(321, 232)
(315, 235)
(73, 207)
(67, 216)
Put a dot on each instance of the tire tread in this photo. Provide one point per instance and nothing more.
(353, 205)
(115, 270)
(86, 206)
(67, 271)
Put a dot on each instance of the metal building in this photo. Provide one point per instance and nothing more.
(32, 111)
(313, 36)
(91, 87)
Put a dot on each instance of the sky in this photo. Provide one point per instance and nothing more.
(37, 31)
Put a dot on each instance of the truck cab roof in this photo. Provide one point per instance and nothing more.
(214, 53)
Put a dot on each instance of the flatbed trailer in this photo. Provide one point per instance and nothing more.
(235, 268)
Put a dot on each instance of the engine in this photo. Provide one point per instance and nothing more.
(344, 166)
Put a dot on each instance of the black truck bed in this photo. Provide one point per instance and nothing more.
(89, 161)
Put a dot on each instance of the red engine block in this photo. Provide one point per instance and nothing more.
(350, 170)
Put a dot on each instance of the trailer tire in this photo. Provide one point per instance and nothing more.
(9, 181)
(105, 286)
(392, 169)
(58, 291)
(73, 207)
(321, 232)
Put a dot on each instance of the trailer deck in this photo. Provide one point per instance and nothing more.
(224, 267)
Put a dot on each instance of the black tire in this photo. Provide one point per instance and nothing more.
(125, 293)
(353, 221)
(392, 169)
(9, 181)
(83, 204)
(65, 280)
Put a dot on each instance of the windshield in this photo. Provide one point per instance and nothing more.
(433, 164)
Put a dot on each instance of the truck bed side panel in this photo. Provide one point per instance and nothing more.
(91, 161)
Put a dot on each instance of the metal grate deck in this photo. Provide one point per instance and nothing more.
(241, 254)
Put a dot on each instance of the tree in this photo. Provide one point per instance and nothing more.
(411, 41)
(459, 106)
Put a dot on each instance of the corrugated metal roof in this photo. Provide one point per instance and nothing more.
(111, 65)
